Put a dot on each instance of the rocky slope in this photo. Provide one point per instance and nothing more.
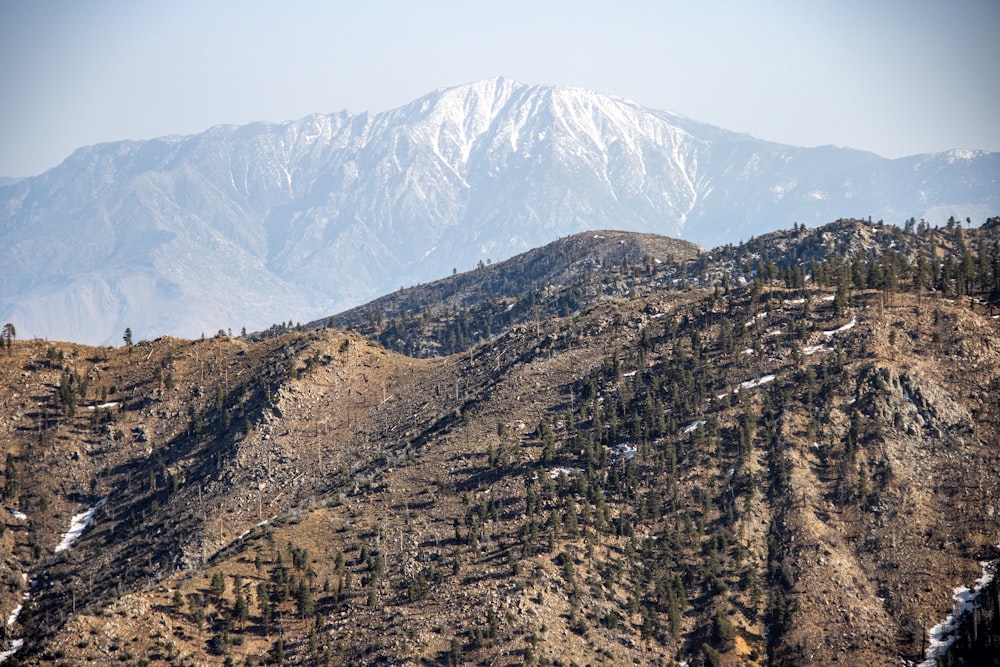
(564, 277)
(722, 474)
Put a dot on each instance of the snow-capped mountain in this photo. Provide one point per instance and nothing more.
(263, 223)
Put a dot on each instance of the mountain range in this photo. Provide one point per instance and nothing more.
(776, 453)
(251, 225)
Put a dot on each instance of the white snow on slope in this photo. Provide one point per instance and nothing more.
(569, 472)
(78, 524)
(626, 451)
(750, 384)
(693, 426)
(14, 613)
(942, 635)
(15, 646)
(833, 332)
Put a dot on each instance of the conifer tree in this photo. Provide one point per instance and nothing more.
(7, 335)
(11, 477)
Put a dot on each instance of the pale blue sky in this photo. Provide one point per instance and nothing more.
(894, 77)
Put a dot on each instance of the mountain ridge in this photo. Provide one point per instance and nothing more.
(783, 457)
(307, 217)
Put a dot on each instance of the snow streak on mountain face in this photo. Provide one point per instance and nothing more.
(251, 225)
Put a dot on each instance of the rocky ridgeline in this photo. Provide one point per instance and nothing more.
(752, 464)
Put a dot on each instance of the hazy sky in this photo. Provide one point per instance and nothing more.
(893, 77)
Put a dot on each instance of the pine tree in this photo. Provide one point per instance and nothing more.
(455, 655)
(304, 599)
(7, 335)
(241, 609)
(840, 299)
(11, 477)
(218, 585)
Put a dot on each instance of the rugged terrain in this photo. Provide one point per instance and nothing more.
(783, 453)
(455, 313)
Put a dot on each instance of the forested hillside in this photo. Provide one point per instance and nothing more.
(774, 453)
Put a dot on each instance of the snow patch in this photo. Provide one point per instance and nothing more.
(626, 451)
(942, 635)
(260, 524)
(815, 349)
(750, 384)
(15, 646)
(960, 154)
(569, 472)
(690, 428)
(102, 406)
(78, 524)
(14, 613)
(17, 514)
(850, 325)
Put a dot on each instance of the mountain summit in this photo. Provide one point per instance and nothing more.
(250, 225)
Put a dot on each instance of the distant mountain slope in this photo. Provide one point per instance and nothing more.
(573, 274)
(453, 314)
(246, 226)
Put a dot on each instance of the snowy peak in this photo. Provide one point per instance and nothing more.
(452, 121)
(250, 225)
(475, 105)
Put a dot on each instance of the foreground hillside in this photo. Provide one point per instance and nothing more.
(791, 471)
